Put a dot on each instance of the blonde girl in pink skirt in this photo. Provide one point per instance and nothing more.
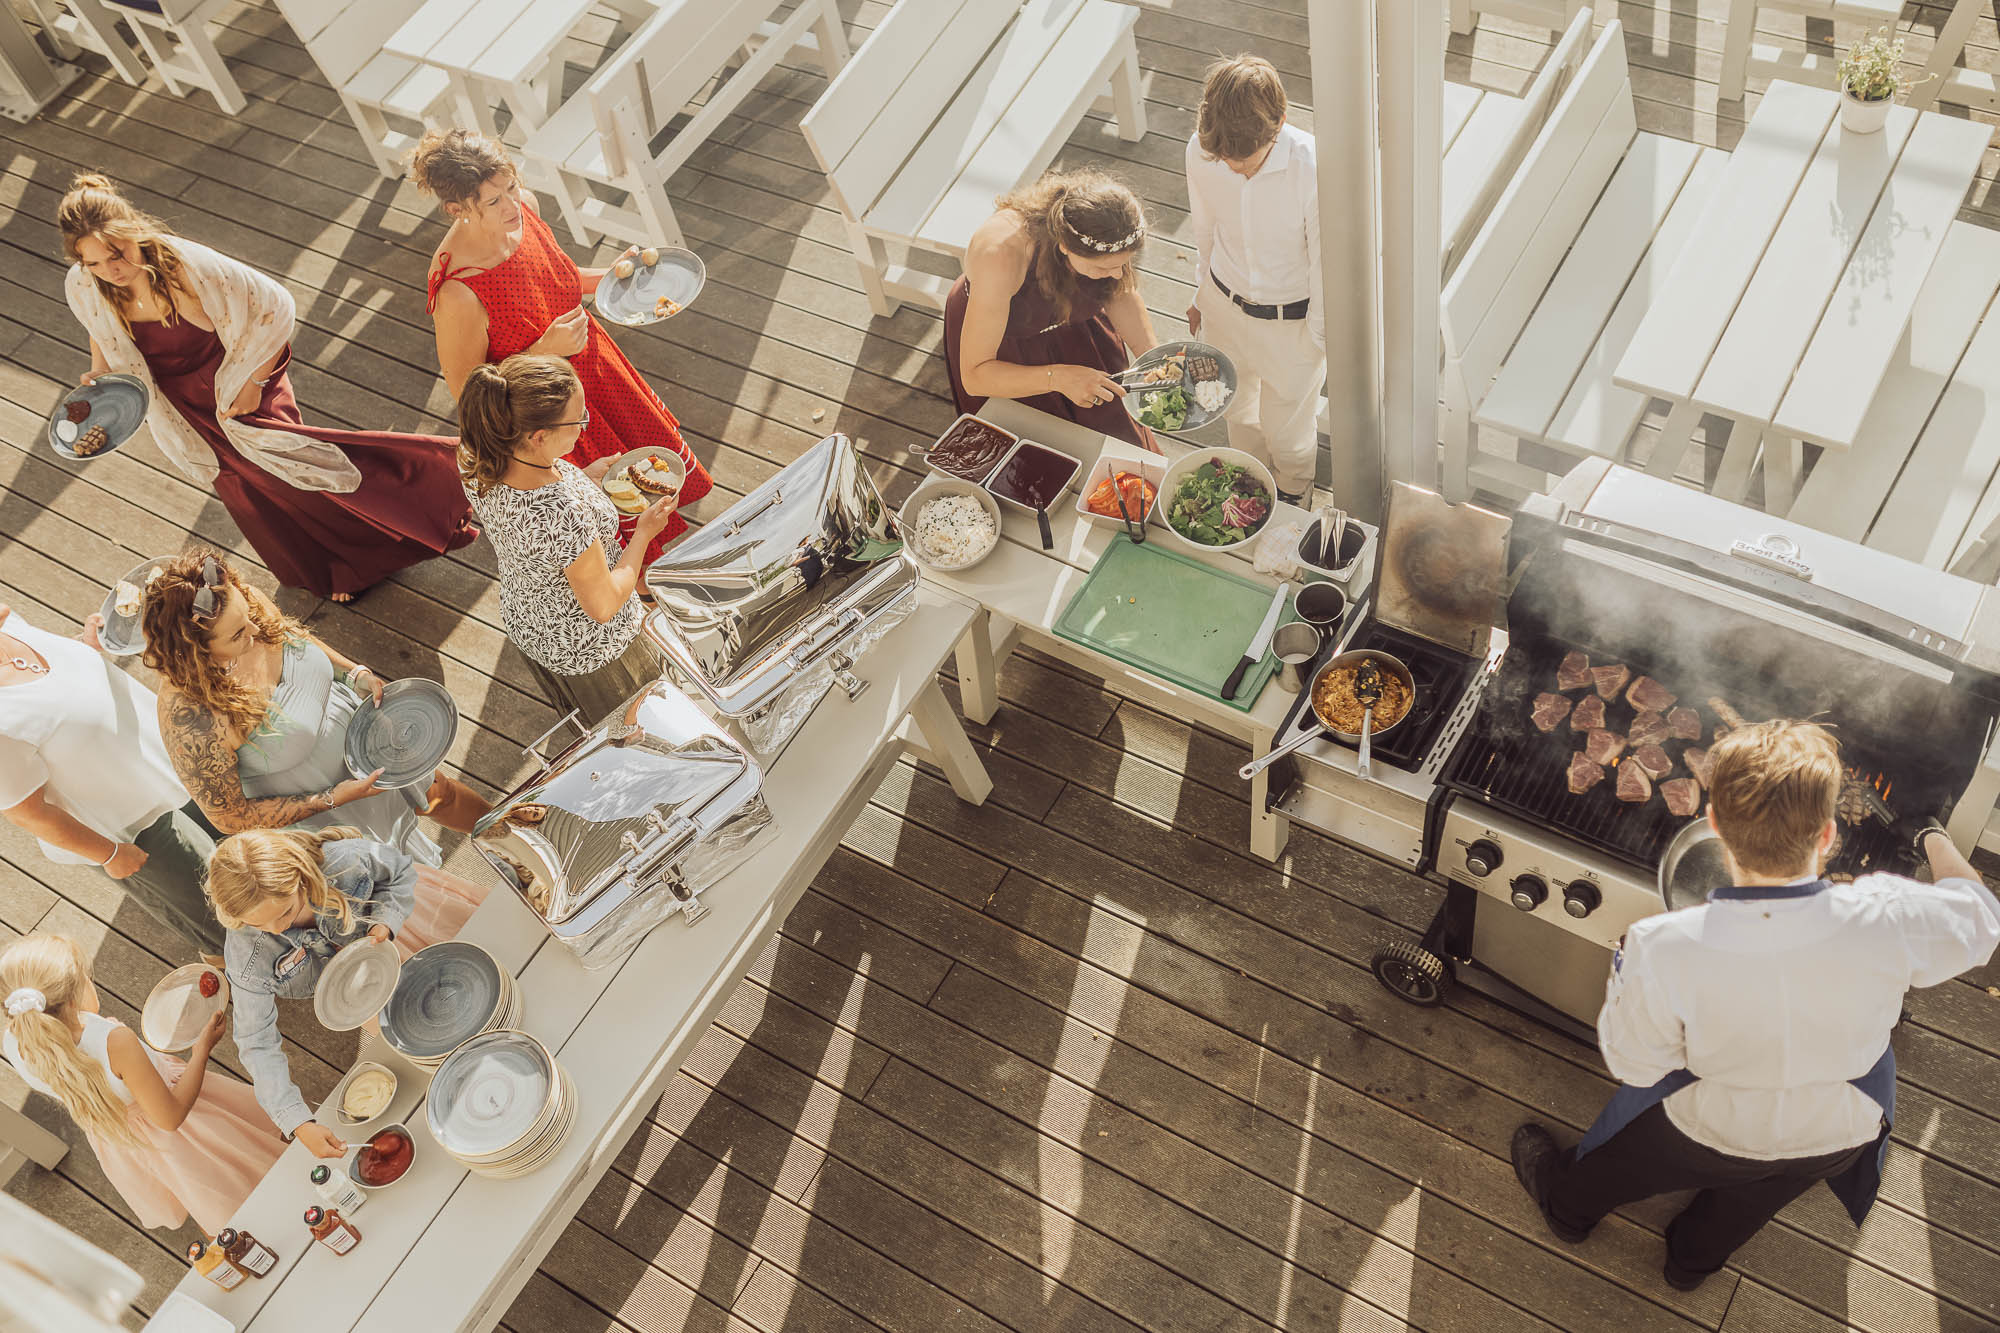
(174, 1138)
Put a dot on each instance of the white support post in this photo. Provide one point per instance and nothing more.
(1410, 119)
(1342, 38)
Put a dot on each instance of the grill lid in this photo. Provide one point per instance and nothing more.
(1441, 571)
(791, 574)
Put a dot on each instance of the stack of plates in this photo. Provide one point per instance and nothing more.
(447, 994)
(500, 1104)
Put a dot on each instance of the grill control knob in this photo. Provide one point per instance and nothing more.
(1581, 898)
(1529, 892)
(1483, 857)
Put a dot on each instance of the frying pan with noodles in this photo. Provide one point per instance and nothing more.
(1396, 683)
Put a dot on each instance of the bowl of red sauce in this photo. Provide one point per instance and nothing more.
(385, 1159)
(1033, 476)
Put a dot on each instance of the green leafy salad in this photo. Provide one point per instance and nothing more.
(1165, 409)
(1219, 504)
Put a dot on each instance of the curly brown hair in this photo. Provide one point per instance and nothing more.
(451, 165)
(94, 208)
(177, 647)
(502, 405)
(1086, 213)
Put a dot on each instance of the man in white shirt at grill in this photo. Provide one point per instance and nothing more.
(1750, 1034)
(1253, 195)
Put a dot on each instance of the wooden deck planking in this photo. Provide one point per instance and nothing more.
(1070, 1061)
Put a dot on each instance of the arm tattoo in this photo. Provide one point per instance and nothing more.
(206, 762)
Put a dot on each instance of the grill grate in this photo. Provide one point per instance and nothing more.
(1505, 762)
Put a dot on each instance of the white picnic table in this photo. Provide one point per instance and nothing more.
(1788, 302)
(444, 1249)
(498, 51)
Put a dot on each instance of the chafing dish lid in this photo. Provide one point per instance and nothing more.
(751, 597)
(624, 802)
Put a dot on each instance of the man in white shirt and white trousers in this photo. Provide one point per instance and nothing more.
(1750, 1034)
(1253, 196)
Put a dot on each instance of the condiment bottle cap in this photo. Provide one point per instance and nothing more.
(196, 1248)
(314, 1215)
(225, 1236)
(320, 1174)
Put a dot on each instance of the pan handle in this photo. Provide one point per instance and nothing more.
(1256, 766)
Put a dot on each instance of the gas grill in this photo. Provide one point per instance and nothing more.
(1713, 600)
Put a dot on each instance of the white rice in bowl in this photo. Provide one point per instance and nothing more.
(953, 530)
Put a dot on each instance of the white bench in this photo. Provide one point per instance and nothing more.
(344, 38)
(1541, 307)
(604, 134)
(1549, 13)
(951, 103)
(1743, 55)
(175, 37)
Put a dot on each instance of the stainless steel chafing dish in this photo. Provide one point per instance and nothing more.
(629, 824)
(766, 608)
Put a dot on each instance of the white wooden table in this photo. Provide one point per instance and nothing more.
(1788, 302)
(445, 1249)
(1024, 589)
(498, 50)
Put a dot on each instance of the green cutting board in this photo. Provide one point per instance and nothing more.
(1171, 616)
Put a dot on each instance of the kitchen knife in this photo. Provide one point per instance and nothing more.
(1260, 642)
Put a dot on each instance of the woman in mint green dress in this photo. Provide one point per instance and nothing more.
(254, 711)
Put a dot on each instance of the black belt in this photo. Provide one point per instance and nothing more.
(1296, 310)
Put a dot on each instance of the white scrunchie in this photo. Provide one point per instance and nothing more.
(27, 1000)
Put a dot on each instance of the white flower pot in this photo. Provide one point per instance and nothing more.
(1859, 117)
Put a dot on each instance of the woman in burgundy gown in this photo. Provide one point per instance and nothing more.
(501, 285)
(1048, 308)
(329, 511)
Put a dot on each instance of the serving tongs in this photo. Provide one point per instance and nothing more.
(1134, 376)
(1367, 693)
(1134, 528)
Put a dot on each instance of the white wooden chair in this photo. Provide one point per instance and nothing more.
(345, 39)
(174, 36)
(1538, 313)
(950, 103)
(1549, 13)
(604, 134)
(1743, 55)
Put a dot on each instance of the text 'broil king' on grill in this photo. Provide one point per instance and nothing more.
(1643, 619)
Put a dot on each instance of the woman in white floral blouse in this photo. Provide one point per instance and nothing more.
(568, 591)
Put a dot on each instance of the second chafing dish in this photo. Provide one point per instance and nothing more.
(628, 825)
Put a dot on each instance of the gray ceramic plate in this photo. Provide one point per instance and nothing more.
(121, 635)
(117, 402)
(1135, 397)
(490, 1093)
(356, 984)
(406, 735)
(446, 993)
(679, 277)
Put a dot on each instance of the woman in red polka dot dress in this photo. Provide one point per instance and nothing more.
(500, 284)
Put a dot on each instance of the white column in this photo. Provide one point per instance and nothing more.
(1342, 40)
(1410, 119)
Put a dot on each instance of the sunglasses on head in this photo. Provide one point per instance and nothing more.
(208, 598)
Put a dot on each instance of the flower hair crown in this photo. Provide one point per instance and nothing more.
(1118, 246)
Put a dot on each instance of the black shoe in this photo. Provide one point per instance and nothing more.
(1293, 498)
(1535, 1159)
(1682, 1279)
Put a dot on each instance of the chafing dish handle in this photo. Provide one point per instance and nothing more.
(741, 521)
(533, 749)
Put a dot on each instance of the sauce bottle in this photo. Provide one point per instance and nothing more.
(248, 1253)
(207, 1259)
(332, 1230)
(338, 1191)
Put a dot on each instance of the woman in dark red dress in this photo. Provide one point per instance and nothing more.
(1048, 308)
(500, 285)
(330, 511)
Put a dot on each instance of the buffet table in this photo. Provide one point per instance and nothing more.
(446, 1249)
(1022, 590)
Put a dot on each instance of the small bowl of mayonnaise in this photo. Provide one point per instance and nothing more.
(365, 1093)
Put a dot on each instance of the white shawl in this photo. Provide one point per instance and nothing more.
(254, 317)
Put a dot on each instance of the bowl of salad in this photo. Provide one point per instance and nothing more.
(1215, 497)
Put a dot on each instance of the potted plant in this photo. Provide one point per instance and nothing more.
(1871, 74)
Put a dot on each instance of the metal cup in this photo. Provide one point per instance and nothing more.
(1296, 644)
(1320, 604)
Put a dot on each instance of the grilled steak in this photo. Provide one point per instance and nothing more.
(1731, 719)
(1682, 795)
(1574, 673)
(1583, 774)
(1696, 759)
(1648, 695)
(1633, 784)
(1588, 714)
(1550, 709)
(1654, 760)
(1610, 679)
(1647, 729)
(1602, 747)
(1684, 724)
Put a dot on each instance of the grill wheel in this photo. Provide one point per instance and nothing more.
(1413, 973)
